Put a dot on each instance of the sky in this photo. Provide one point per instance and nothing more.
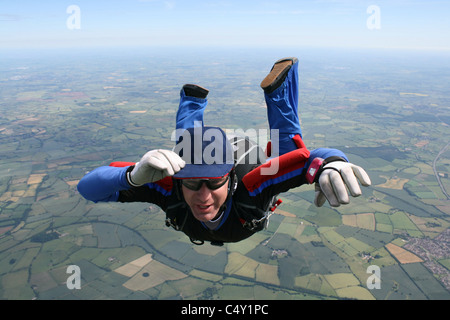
(404, 24)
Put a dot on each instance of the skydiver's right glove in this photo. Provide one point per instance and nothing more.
(155, 165)
(334, 180)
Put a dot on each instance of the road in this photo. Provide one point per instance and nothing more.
(436, 173)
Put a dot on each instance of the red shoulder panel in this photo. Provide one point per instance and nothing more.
(299, 141)
(121, 164)
(277, 167)
(165, 183)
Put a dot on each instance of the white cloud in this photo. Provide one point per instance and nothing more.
(10, 17)
(169, 4)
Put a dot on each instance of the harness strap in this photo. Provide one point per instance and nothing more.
(255, 224)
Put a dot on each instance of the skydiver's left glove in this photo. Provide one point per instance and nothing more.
(334, 180)
(155, 165)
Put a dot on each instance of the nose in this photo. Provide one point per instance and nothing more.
(204, 193)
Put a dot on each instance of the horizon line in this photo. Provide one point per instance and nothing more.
(218, 46)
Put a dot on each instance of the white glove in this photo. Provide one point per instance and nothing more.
(334, 180)
(155, 165)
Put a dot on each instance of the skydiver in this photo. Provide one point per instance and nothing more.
(228, 200)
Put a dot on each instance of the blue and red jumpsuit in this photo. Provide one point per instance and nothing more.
(255, 191)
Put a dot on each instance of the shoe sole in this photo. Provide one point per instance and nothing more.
(277, 74)
(194, 90)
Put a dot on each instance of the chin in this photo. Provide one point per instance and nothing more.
(204, 217)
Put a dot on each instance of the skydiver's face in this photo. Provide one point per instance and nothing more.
(205, 203)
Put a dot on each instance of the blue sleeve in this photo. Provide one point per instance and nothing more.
(324, 153)
(289, 175)
(103, 184)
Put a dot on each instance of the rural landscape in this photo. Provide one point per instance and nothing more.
(66, 113)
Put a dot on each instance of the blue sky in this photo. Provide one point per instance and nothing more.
(410, 24)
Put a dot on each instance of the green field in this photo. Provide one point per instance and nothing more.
(57, 125)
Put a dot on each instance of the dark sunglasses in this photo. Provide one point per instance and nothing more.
(212, 184)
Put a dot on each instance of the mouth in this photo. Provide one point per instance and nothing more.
(204, 208)
(204, 212)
